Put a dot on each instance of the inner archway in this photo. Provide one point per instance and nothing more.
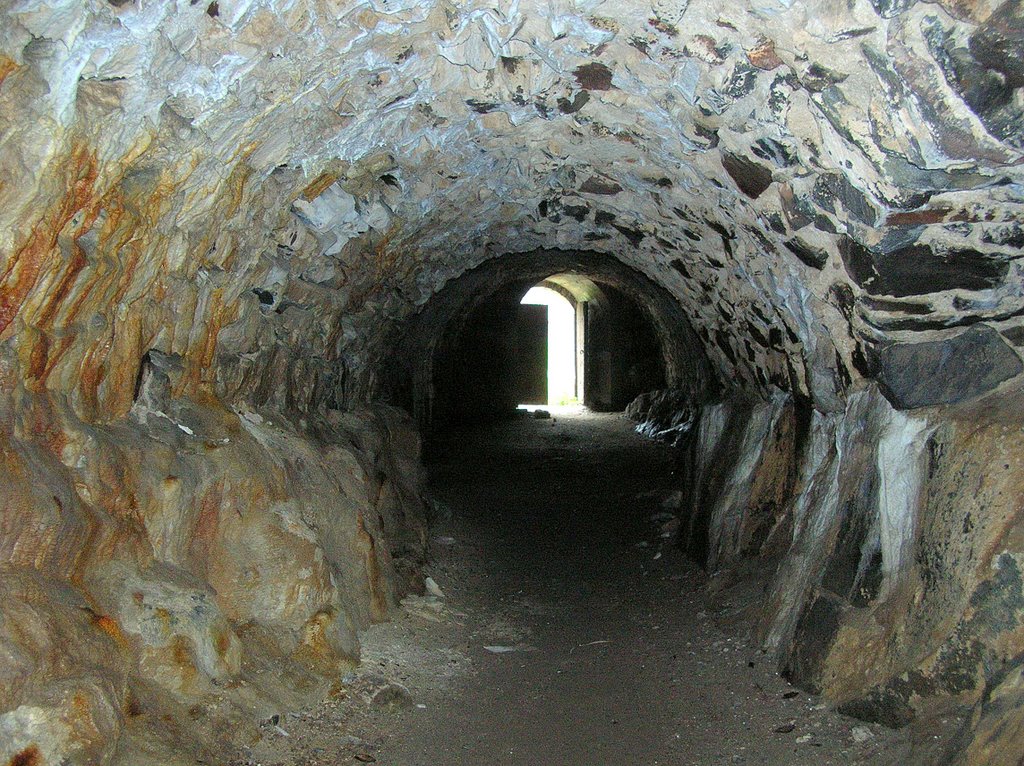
(460, 358)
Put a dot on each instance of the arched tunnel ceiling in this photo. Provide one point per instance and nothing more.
(298, 176)
(579, 287)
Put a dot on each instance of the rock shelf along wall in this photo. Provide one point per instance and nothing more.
(216, 219)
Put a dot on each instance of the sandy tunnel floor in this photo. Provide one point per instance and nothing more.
(570, 631)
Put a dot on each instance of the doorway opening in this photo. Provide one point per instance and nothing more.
(550, 340)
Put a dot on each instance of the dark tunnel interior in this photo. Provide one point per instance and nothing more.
(492, 365)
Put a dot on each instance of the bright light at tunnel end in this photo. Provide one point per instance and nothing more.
(561, 346)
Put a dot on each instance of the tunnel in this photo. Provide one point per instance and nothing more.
(266, 373)
(461, 355)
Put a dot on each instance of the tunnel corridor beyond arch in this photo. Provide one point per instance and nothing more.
(457, 354)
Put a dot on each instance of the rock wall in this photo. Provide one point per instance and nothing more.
(217, 221)
(172, 577)
(883, 551)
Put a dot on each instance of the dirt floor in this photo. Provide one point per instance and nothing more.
(566, 631)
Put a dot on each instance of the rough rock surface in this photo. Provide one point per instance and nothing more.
(664, 415)
(889, 553)
(216, 219)
(161, 556)
(956, 369)
(266, 189)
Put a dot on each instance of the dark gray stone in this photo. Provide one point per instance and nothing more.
(959, 229)
(799, 210)
(900, 237)
(883, 705)
(999, 42)
(709, 135)
(600, 185)
(635, 236)
(957, 369)
(578, 212)
(726, 235)
(815, 633)
(817, 78)
(919, 270)
(751, 178)
(832, 187)
(852, 571)
(482, 107)
(988, 92)
(742, 82)
(858, 261)
(775, 221)
(1011, 235)
(814, 257)
(913, 308)
(594, 76)
(780, 92)
(824, 223)
(580, 100)
(1015, 335)
(774, 151)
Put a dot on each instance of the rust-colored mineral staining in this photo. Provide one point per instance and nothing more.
(30, 756)
(317, 186)
(378, 588)
(594, 76)
(6, 67)
(22, 271)
(763, 55)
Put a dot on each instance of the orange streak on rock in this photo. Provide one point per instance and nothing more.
(131, 261)
(208, 350)
(6, 67)
(181, 650)
(222, 642)
(386, 258)
(316, 188)
(204, 534)
(236, 188)
(109, 626)
(92, 373)
(119, 235)
(23, 270)
(54, 352)
(38, 357)
(200, 379)
(58, 293)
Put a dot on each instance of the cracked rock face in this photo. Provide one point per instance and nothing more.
(292, 179)
(217, 218)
